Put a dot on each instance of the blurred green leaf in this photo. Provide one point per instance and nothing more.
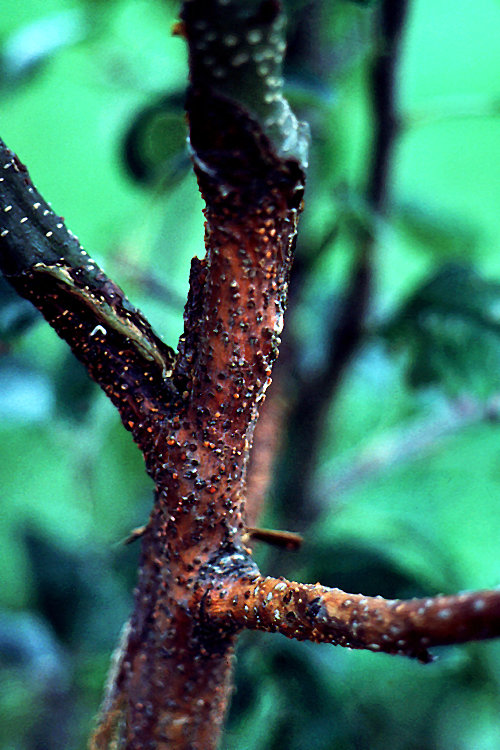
(74, 389)
(450, 331)
(154, 148)
(441, 235)
(25, 51)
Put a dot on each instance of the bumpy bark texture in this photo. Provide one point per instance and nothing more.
(193, 413)
(324, 615)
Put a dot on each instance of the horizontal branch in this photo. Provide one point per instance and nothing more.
(46, 264)
(325, 615)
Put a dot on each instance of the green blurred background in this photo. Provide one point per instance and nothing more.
(403, 498)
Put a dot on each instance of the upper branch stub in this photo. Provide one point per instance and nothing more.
(243, 133)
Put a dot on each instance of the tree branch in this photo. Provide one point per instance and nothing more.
(391, 21)
(46, 264)
(268, 439)
(172, 683)
(325, 615)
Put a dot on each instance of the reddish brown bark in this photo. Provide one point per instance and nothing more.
(198, 459)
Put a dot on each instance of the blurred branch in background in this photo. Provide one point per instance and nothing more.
(403, 444)
(312, 396)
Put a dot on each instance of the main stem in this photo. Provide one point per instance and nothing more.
(174, 676)
(173, 679)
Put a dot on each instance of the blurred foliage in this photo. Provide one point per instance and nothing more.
(90, 91)
(450, 327)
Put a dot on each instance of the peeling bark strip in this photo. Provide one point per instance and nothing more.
(325, 615)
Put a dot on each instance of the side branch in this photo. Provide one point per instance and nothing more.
(46, 264)
(325, 615)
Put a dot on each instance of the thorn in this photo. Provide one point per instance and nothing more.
(287, 539)
(179, 29)
(424, 657)
(134, 535)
